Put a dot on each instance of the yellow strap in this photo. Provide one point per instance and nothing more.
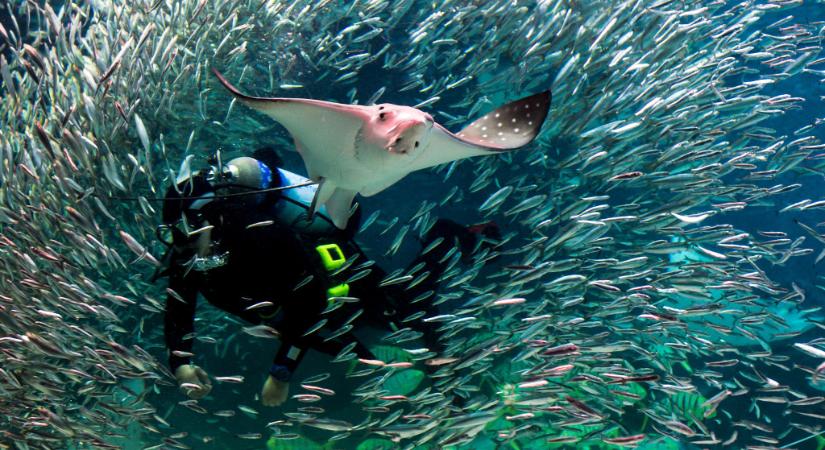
(333, 258)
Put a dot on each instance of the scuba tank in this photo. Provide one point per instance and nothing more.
(292, 208)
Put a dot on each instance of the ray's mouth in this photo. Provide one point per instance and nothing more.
(409, 138)
(400, 146)
(403, 145)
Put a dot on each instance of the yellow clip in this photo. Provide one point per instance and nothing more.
(331, 256)
(342, 290)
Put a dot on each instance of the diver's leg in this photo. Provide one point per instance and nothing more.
(442, 246)
(387, 307)
(334, 346)
(444, 243)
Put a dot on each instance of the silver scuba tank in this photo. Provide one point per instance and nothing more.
(293, 207)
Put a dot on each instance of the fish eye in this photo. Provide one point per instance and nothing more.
(381, 116)
(416, 144)
(398, 140)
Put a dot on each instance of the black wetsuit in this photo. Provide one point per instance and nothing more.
(266, 263)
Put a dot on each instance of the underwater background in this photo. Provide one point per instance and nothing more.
(665, 223)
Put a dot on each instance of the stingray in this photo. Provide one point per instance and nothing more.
(351, 149)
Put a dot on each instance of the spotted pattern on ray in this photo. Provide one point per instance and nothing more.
(512, 125)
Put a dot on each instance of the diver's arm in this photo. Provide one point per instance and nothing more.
(179, 320)
(276, 386)
(286, 360)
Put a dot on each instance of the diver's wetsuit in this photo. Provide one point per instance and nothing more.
(266, 263)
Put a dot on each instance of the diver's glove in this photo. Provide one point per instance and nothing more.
(193, 381)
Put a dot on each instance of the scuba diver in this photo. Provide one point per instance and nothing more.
(240, 234)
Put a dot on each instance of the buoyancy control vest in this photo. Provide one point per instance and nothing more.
(198, 191)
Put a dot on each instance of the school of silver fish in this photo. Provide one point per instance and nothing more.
(619, 264)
